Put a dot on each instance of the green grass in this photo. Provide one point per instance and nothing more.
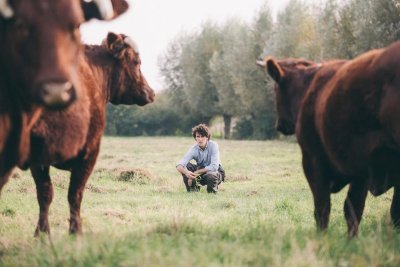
(136, 212)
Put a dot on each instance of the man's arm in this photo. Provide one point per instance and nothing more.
(181, 166)
(214, 164)
(191, 175)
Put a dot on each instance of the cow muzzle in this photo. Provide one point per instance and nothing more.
(151, 95)
(57, 95)
(285, 127)
(148, 97)
(143, 97)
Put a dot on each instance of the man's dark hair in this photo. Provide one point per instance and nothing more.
(201, 129)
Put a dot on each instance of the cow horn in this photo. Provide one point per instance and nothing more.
(132, 44)
(261, 63)
(5, 9)
(105, 8)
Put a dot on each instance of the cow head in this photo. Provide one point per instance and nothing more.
(292, 79)
(130, 86)
(40, 47)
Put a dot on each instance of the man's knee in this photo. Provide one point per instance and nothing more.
(191, 167)
(212, 176)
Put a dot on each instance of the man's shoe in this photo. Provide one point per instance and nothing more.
(194, 189)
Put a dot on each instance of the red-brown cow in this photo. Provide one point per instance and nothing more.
(70, 140)
(39, 50)
(349, 132)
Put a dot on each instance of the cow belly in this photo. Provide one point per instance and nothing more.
(353, 154)
(384, 171)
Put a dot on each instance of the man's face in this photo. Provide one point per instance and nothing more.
(201, 140)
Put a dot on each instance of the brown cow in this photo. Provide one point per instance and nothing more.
(349, 132)
(70, 140)
(39, 51)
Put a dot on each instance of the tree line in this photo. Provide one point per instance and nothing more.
(210, 74)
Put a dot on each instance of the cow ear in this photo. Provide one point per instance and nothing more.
(274, 70)
(115, 44)
(120, 7)
(111, 38)
(103, 9)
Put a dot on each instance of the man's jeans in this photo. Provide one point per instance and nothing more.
(211, 179)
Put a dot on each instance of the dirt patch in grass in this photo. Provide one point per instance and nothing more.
(252, 193)
(138, 176)
(16, 174)
(164, 189)
(113, 213)
(100, 170)
(8, 212)
(107, 156)
(103, 190)
(237, 178)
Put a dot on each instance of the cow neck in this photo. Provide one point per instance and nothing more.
(308, 74)
(311, 71)
(102, 64)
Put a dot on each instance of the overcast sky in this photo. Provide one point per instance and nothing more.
(155, 23)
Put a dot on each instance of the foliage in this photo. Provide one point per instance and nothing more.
(199, 89)
(159, 118)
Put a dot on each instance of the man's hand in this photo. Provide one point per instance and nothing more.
(191, 175)
(200, 171)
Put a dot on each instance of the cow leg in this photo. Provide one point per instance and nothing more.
(313, 170)
(395, 207)
(4, 178)
(79, 176)
(45, 193)
(354, 206)
(322, 205)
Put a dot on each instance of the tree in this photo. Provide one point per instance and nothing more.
(172, 71)
(328, 30)
(198, 87)
(358, 26)
(295, 34)
(225, 73)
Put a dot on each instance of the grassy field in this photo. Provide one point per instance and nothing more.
(136, 212)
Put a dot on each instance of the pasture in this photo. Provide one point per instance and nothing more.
(136, 212)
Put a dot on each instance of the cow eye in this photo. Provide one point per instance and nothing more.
(74, 30)
(132, 61)
(133, 57)
(74, 26)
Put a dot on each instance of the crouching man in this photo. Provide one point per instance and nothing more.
(207, 170)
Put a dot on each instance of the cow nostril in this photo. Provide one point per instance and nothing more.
(285, 127)
(152, 96)
(56, 94)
